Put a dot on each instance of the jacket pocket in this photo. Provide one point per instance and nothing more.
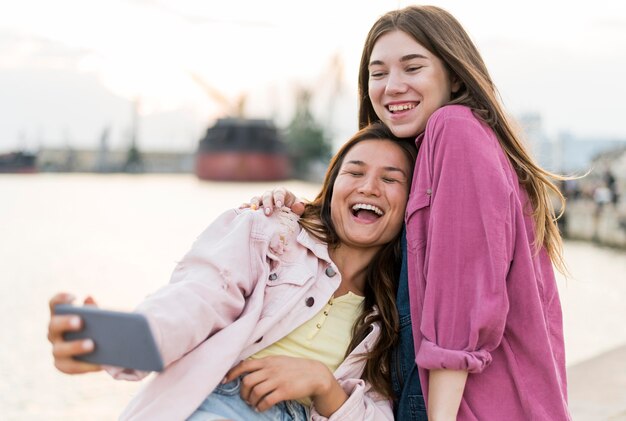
(284, 284)
(417, 215)
(288, 274)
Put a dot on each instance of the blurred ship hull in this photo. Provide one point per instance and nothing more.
(242, 166)
(237, 149)
(18, 162)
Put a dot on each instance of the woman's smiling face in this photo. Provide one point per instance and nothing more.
(370, 194)
(407, 83)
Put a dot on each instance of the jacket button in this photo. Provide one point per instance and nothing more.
(258, 340)
(273, 277)
(429, 191)
(310, 301)
(330, 272)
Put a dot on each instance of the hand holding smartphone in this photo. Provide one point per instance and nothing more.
(121, 339)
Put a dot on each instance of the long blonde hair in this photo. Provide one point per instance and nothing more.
(441, 34)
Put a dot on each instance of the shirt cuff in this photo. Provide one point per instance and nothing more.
(430, 356)
(354, 388)
(355, 408)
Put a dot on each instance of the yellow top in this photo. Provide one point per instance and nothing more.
(325, 337)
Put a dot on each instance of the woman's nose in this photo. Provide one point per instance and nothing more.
(395, 84)
(369, 187)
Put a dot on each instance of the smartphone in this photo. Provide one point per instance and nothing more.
(121, 339)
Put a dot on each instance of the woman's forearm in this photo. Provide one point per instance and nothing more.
(445, 390)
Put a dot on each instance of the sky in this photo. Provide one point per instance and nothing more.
(69, 69)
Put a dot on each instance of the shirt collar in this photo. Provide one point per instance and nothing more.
(419, 139)
(317, 247)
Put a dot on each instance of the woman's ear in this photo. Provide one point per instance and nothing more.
(455, 83)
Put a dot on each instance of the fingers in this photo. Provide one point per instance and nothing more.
(279, 195)
(90, 301)
(261, 389)
(255, 387)
(276, 199)
(64, 350)
(60, 298)
(244, 367)
(61, 324)
(267, 202)
(248, 384)
(262, 392)
(298, 208)
(71, 366)
(254, 203)
(296, 204)
(257, 382)
(269, 400)
(232, 374)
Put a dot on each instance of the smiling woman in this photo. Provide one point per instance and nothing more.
(477, 294)
(368, 201)
(313, 316)
(407, 83)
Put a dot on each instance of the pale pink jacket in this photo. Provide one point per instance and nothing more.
(248, 281)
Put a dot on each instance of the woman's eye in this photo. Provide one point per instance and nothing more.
(377, 74)
(413, 68)
(389, 180)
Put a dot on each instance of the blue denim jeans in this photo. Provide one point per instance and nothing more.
(225, 403)
(409, 403)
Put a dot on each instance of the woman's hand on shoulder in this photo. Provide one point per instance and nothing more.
(276, 198)
(64, 351)
(270, 380)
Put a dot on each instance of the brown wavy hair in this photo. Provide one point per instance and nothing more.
(441, 34)
(382, 273)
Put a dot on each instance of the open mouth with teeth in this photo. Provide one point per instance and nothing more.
(397, 108)
(367, 213)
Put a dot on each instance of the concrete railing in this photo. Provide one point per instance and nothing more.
(584, 220)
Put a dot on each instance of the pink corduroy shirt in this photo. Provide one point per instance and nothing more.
(482, 299)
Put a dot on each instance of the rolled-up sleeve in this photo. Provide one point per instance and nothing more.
(469, 241)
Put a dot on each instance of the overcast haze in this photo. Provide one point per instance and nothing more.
(69, 68)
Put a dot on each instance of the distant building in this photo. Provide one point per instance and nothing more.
(82, 160)
(564, 153)
(578, 153)
(17, 162)
(102, 157)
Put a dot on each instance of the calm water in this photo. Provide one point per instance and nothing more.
(118, 237)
